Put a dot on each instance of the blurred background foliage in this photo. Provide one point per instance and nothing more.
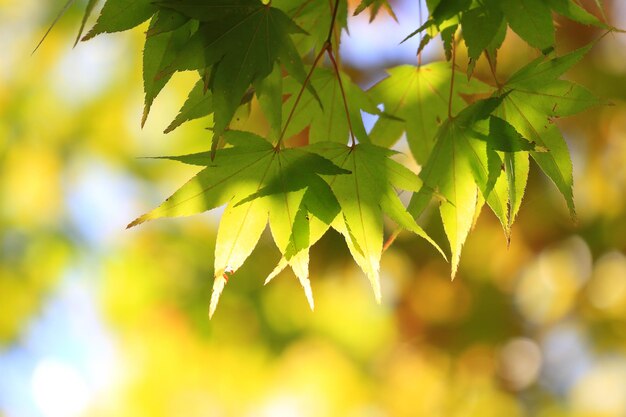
(99, 321)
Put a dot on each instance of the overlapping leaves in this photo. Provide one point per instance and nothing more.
(364, 196)
(472, 152)
(419, 98)
(482, 154)
(258, 183)
(483, 23)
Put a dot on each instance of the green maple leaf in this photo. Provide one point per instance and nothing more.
(484, 28)
(419, 96)
(259, 183)
(269, 92)
(314, 17)
(461, 166)
(375, 6)
(91, 4)
(484, 23)
(531, 20)
(199, 104)
(242, 40)
(166, 20)
(533, 97)
(573, 11)
(364, 195)
(328, 122)
(159, 51)
(317, 212)
(120, 15)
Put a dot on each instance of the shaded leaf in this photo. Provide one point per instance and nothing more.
(159, 51)
(573, 11)
(480, 27)
(120, 15)
(91, 4)
(503, 137)
(198, 104)
(166, 20)
(246, 38)
(531, 20)
(375, 6)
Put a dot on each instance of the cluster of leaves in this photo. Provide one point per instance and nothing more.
(473, 140)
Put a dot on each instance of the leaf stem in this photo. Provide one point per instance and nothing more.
(332, 21)
(492, 68)
(421, 35)
(304, 85)
(333, 60)
(327, 47)
(391, 239)
(331, 55)
(452, 77)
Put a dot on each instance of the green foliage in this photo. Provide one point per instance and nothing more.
(473, 139)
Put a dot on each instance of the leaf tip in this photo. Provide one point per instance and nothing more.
(308, 292)
(455, 266)
(88, 35)
(277, 270)
(137, 222)
(218, 287)
(146, 112)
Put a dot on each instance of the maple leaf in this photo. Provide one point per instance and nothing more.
(419, 97)
(120, 15)
(159, 51)
(531, 20)
(328, 121)
(242, 40)
(314, 17)
(258, 183)
(199, 103)
(375, 6)
(484, 23)
(484, 28)
(166, 20)
(91, 4)
(461, 166)
(532, 98)
(364, 195)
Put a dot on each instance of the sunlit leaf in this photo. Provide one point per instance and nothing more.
(535, 95)
(329, 121)
(258, 183)
(460, 166)
(364, 196)
(419, 96)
